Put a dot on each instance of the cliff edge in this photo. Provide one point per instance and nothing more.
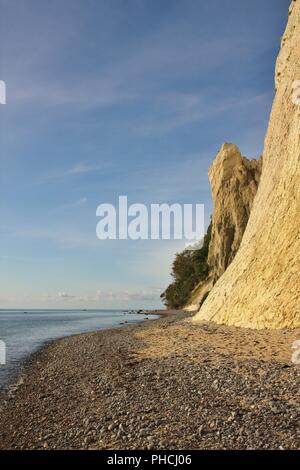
(261, 287)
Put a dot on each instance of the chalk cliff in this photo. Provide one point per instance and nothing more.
(234, 181)
(261, 287)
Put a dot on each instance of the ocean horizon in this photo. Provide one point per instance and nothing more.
(25, 331)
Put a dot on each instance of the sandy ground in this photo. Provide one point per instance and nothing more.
(161, 384)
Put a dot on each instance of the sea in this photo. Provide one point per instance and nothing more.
(23, 332)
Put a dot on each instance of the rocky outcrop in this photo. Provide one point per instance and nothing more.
(234, 182)
(261, 287)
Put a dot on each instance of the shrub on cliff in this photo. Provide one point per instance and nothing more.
(189, 268)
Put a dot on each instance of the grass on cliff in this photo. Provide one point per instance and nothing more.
(188, 269)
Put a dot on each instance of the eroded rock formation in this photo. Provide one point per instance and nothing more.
(261, 287)
(234, 181)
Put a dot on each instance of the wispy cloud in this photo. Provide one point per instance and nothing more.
(78, 169)
(107, 296)
(64, 295)
(65, 237)
(182, 110)
(82, 168)
(86, 94)
(81, 201)
(71, 205)
(37, 75)
(128, 295)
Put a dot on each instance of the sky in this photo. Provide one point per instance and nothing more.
(113, 97)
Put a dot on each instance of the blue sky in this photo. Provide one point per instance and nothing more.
(112, 97)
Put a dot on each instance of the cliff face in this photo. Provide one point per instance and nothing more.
(261, 287)
(234, 182)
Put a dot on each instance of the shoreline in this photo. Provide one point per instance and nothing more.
(15, 377)
(159, 384)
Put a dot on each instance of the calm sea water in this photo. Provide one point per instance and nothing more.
(24, 332)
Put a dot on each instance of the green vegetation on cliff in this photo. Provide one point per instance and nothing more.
(189, 268)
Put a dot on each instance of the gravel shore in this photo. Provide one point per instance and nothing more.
(160, 384)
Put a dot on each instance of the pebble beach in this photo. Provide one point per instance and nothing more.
(160, 384)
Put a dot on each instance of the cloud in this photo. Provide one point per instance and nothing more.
(38, 74)
(108, 296)
(81, 168)
(63, 295)
(71, 205)
(86, 94)
(127, 295)
(77, 169)
(81, 201)
(66, 237)
(188, 109)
